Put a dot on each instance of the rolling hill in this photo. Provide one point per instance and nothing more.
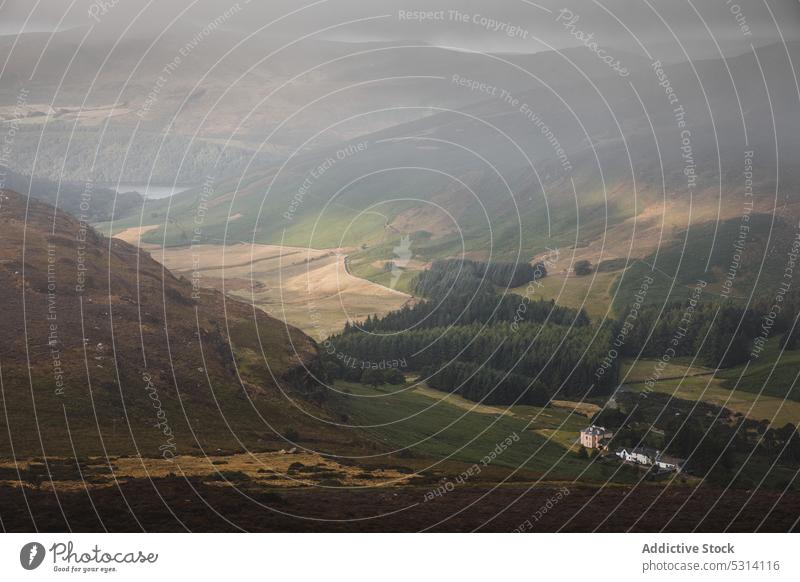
(597, 167)
(106, 352)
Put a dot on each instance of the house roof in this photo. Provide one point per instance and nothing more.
(595, 430)
(646, 451)
(671, 460)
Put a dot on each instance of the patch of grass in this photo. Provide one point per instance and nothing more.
(442, 430)
(772, 374)
(592, 292)
(634, 371)
(232, 476)
(706, 252)
(718, 390)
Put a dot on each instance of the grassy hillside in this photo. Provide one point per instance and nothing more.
(721, 389)
(431, 425)
(712, 251)
(773, 374)
(108, 352)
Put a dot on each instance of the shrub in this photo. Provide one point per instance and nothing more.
(582, 268)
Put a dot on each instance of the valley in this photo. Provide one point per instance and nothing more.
(409, 433)
(308, 288)
(327, 268)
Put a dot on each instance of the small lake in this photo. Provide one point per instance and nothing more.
(152, 191)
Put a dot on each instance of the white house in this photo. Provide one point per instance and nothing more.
(668, 463)
(647, 456)
(638, 455)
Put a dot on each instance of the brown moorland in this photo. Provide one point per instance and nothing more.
(105, 351)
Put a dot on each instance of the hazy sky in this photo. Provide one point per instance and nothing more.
(724, 17)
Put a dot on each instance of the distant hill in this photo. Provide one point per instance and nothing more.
(496, 176)
(105, 351)
(88, 200)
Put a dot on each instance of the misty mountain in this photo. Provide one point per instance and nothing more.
(620, 143)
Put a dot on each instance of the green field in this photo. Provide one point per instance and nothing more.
(772, 374)
(706, 252)
(434, 427)
(701, 384)
(593, 293)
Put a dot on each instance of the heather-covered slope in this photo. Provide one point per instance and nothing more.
(105, 350)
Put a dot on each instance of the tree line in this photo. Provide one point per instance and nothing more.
(469, 335)
(466, 292)
(718, 333)
(458, 276)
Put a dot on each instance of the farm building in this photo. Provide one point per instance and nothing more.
(648, 456)
(668, 463)
(638, 455)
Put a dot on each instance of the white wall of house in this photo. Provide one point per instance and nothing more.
(644, 459)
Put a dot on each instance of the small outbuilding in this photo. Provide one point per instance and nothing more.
(649, 457)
